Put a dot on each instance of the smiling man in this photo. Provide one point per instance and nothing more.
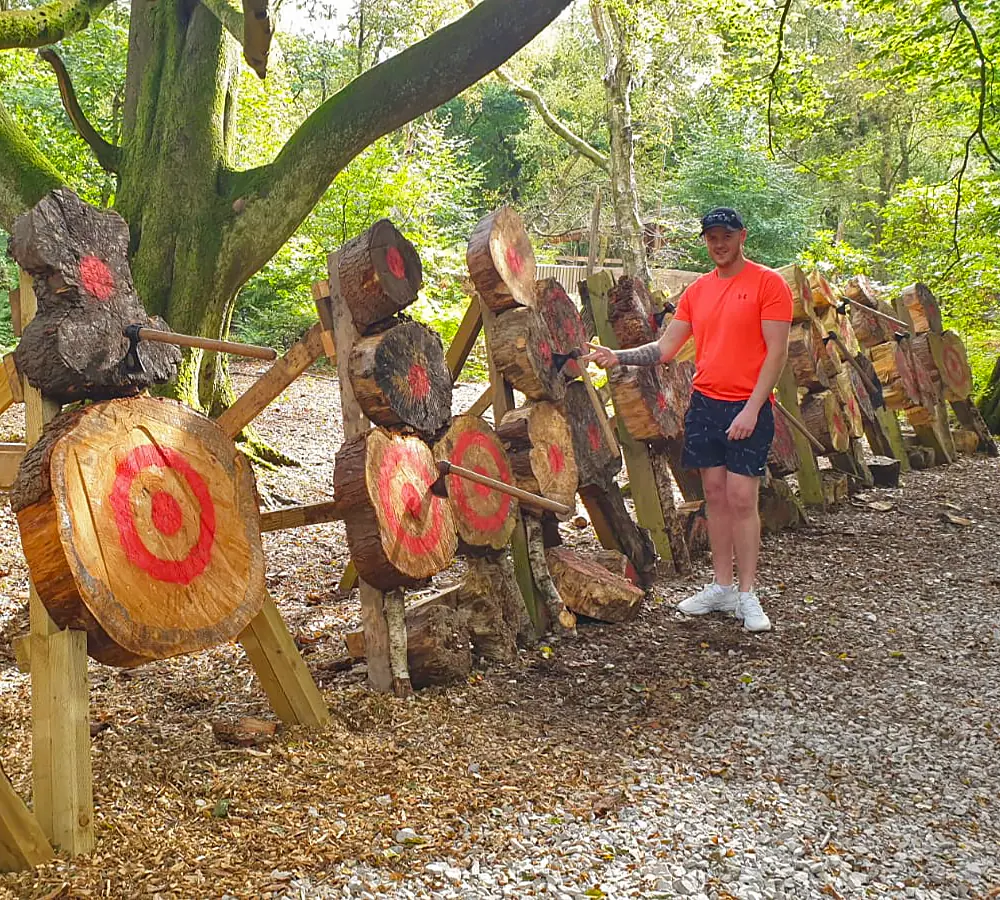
(740, 315)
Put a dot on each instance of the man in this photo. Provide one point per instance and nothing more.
(739, 315)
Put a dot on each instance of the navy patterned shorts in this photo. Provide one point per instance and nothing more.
(706, 445)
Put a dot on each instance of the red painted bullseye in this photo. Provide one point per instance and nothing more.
(420, 383)
(96, 277)
(953, 365)
(459, 488)
(557, 459)
(182, 571)
(419, 480)
(514, 260)
(661, 402)
(545, 348)
(166, 514)
(394, 260)
(594, 437)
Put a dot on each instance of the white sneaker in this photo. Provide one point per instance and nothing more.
(713, 597)
(748, 610)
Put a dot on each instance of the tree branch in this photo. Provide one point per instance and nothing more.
(252, 28)
(984, 64)
(276, 198)
(555, 124)
(108, 155)
(29, 28)
(773, 75)
(228, 15)
(25, 176)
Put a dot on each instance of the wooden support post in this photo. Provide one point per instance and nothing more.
(890, 426)
(645, 494)
(290, 689)
(10, 461)
(383, 675)
(465, 339)
(22, 842)
(60, 723)
(810, 485)
(503, 401)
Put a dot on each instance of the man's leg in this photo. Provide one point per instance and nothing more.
(744, 520)
(720, 523)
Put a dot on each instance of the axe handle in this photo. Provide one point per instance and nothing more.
(801, 429)
(447, 468)
(187, 340)
(602, 415)
(854, 364)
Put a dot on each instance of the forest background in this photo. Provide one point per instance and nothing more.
(873, 147)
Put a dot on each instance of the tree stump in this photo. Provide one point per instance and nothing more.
(400, 377)
(521, 347)
(589, 589)
(140, 526)
(438, 645)
(630, 313)
(778, 506)
(692, 516)
(802, 295)
(804, 358)
(823, 417)
(501, 261)
(399, 533)
(540, 448)
(380, 274)
(885, 471)
(648, 405)
(491, 600)
(836, 487)
(75, 347)
(783, 458)
(485, 518)
(563, 321)
(595, 462)
(924, 311)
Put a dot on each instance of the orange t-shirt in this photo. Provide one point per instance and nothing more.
(725, 316)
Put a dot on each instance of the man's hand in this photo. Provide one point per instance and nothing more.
(603, 356)
(743, 425)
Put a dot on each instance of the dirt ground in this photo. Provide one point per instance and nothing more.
(865, 600)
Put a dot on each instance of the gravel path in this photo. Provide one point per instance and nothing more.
(852, 752)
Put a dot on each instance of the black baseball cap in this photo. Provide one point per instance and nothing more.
(724, 216)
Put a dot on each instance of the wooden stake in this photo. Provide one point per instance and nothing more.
(810, 486)
(22, 842)
(483, 403)
(298, 516)
(464, 340)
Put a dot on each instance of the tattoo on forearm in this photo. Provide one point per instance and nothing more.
(646, 355)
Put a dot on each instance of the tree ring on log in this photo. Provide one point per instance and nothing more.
(563, 321)
(540, 448)
(501, 261)
(75, 347)
(484, 517)
(380, 274)
(398, 531)
(400, 377)
(140, 525)
(522, 349)
(953, 366)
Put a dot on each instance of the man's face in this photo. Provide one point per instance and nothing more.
(724, 245)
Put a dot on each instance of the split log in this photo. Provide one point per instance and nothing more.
(485, 518)
(824, 418)
(828, 356)
(779, 508)
(804, 358)
(540, 448)
(835, 487)
(802, 298)
(380, 274)
(400, 377)
(783, 458)
(521, 347)
(595, 463)
(965, 441)
(952, 365)
(399, 533)
(885, 471)
(501, 261)
(692, 516)
(615, 527)
(139, 524)
(843, 384)
(895, 371)
(919, 304)
(74, 348)
(823, 296)
(630, 313)
(972, 420)
(591, 590)
(649, 401)
(563, 321)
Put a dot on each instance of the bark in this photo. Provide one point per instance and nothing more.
(619, 80)
(989, 403)
(47, 24)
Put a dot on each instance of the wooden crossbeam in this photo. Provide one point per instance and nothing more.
(465, 339)
(10, 461)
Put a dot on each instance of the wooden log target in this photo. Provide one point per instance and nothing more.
(953, 365)
(400, 377)
(140, 525)
(540, 448)
(630, 311)
(804, 358)
(802, 295)
(73, 349)
(380, 274)
(919, 302)
(650, 404)
(522, 349)
(844, 386)
(595, 462)
(564, 323)
(501, 261)
(894, 368)
(823, 417)
(399, 533)
(485, 518)
(783, 457)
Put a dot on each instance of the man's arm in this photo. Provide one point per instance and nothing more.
(776, 340)
(659, 351)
